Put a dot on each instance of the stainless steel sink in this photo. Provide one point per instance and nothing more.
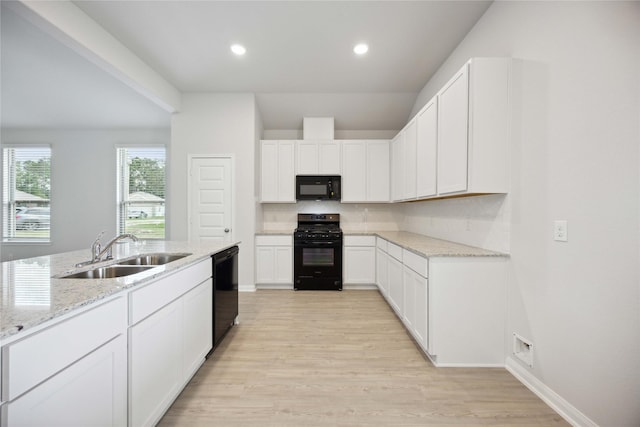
(153, 259)
(109, 272)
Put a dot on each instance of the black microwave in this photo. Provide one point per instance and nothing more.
(317, 187)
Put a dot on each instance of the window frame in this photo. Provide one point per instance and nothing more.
(10, 204)
(122, 192)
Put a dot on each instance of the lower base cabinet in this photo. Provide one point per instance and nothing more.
(359, 260)
(274, 260)
(165, 350)
(454, 307)
(90, 392)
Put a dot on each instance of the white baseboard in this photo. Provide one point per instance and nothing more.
(246, 288)
(567, 411)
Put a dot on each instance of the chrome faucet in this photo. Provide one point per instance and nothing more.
(97, 252)
(108, 248)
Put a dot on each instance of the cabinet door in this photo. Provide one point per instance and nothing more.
(426, 150)
(354, 172)
(198, 326)
(409, 312)
(283, 269)
(277, 171)
(155, 364)
(90, 392)
(269, 171)
(329, 155)
(396, 289)
(307, 158)
(382, 272)
(265, 264)
(453, 123)
(397, 175)
(410, 162)
(359, 264)
(377, 171)
(421, 318)
(286, 172)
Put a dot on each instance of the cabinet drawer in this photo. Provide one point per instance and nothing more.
(381, 244)
(359, 240)
(276, 240)
(415, 262)
(37, 357)
(394, 250)
(155, 295)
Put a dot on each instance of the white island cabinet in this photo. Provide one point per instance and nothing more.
(103, 352)
(165, 347)
(72, 373)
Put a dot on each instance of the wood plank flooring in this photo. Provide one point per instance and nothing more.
(341, 359)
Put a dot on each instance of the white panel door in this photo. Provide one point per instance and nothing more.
(210, 199)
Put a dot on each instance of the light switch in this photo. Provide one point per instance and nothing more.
(560, 231)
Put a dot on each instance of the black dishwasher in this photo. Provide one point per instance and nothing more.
(225, 292)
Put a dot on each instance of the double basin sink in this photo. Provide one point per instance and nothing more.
(126, 267)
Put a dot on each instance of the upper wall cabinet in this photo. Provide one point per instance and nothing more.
(458, 143)
(427, 150)
(278, 171)
(318, 158)
(365, 174)
(473, 129)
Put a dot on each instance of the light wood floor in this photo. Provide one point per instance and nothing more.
(341, 359)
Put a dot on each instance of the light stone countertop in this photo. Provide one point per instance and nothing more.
(32, 293)
(432, 247)
(422, 245)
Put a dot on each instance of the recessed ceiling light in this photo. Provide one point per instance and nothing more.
(361, 48)
(238, 49)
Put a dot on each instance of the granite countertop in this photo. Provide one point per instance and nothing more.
(422, 245)
(432, 247)
(33, 293)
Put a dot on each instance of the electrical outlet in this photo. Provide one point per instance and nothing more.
(560, 231)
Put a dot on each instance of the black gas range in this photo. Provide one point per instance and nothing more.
(317, 252)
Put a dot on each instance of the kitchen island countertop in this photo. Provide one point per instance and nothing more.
(32, 293)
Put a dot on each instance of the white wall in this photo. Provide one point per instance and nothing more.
(577, 158)
(217, 124)
(83, 184)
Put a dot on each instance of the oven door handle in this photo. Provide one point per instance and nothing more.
(316, 243)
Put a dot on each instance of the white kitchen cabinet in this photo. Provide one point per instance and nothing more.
(359, 260)
(365, 172)
(467, 308)
(382, 267)
(415, 296)
(43, 379)
(318, 158)
(396, 286)
(409, 165)
(90, 392)
(397, 165)
(198, 335)
(274, 260)
(155, 364)
(427, 150)
(473, 129)
(163, 351)
(277, 171)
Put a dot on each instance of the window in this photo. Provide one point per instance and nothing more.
(26, 190)
(141, 191)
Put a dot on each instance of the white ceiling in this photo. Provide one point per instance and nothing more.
(299, 59)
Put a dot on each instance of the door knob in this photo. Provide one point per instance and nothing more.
(226, 230)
